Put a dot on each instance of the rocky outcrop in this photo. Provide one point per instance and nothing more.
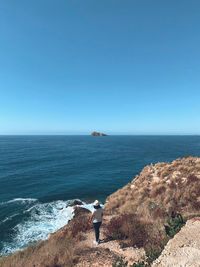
(184, 249)
(98, 134)
(79, 211)
(75, 202)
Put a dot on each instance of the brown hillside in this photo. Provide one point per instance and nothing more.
(160, 188)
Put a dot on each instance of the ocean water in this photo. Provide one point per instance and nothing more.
(41, 175)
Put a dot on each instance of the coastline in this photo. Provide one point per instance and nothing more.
(43, 225)
(148, 212)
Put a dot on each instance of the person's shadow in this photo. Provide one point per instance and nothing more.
(105, 240)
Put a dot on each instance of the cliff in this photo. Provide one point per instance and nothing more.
(160, 188)
(133, 227)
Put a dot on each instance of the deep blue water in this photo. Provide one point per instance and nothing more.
(41, 174)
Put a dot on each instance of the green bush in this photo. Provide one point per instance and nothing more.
(152, 253)
(140, 264)
(175, 222)
(120, 263)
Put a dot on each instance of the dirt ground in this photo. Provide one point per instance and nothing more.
(106, 252)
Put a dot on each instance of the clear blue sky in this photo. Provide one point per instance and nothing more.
(71, 67)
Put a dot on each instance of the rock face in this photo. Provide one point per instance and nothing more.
(98, 134)
(183, 249)
(79, 211)
(75, 202)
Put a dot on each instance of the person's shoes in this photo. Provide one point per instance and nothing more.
(95, 242)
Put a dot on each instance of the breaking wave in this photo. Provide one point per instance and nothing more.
(41, 220)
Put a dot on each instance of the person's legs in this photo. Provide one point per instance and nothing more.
(97, 236)
(96, 229)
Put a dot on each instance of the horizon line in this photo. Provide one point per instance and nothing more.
(113, 134)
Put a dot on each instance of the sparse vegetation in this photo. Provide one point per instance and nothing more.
(131, 231)
(140, 264)
(175, 222)
(150, 198)
(43, 254)
(120, 263)
(153, 243)
(127, 227)
(81, 225)
(170, 186)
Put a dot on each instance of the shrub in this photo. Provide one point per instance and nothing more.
(120, 263)
(175, 222)
(152, 253)
(113, 228)
(191, 179)
(140, 264)
(196, 205)
(143, 234)
(158, 191)
(172, 185)
(81, 225)
(127, 226)
(158, 212)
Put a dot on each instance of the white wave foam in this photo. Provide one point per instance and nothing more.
(23, 200)
(87, 206)
(9, 218)
(44, 218)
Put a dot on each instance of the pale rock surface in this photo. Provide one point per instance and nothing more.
(184, 249)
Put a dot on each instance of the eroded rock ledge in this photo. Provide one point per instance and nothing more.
(184, 248)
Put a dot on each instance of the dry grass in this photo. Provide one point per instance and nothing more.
(158, 190)
(137, 231)
(42, 254)
(169, 186)
(127, 226)
(144, 204)
(57, 251)
(81, 225)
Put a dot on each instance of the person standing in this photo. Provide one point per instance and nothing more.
(97, 215)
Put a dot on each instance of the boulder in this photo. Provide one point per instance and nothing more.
(75, 203)
(79, 211)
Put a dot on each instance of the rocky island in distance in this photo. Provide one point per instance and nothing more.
(98, 134)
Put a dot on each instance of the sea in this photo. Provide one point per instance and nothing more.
(41, 175)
